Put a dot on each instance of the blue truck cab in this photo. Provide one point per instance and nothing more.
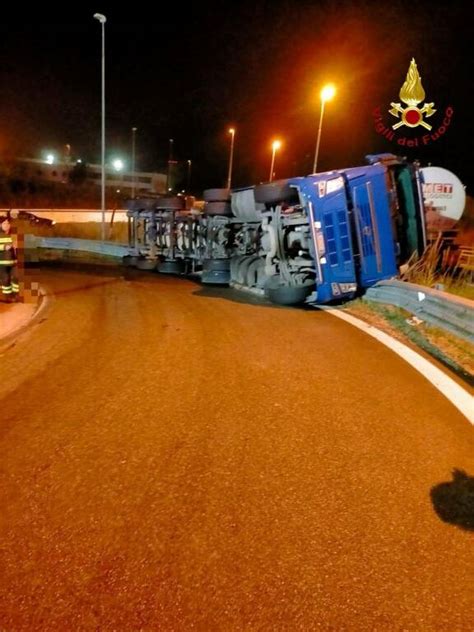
(364, 223)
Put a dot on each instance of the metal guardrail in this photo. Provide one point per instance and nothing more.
(447, 311)
(108, 248)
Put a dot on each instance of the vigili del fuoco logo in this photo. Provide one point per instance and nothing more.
(411, 116)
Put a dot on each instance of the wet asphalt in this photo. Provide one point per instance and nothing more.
(176, 458)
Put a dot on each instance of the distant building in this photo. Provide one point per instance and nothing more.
(119, 181)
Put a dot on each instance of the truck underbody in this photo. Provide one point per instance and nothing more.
(319, 238)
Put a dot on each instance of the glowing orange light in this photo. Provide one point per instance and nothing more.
(276, 145)
(328, 92)
(231, 131)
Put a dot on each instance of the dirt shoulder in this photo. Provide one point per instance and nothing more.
(455, 353)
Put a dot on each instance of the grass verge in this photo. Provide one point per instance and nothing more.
(451, 351)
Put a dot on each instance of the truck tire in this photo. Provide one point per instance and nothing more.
(170, 267)
(288, 294)
(241, 276)
(215, 272)
(216, 195)
(234, 265)
(274, 192)
(129, 261)
(170, 203)
(146, 264)
(218, 208)
(133, 205)
(148, 204)
(256, 273)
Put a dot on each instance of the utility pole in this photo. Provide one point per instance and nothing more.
(102, 20)
(134, 129)
(188, 184)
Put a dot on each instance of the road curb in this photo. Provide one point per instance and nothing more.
(17, 316)
(457, 395)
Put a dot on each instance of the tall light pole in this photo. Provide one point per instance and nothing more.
(231, 156)
(188, 184)
(327, 94)
(102, 19)
(275, 145)
(134, 129)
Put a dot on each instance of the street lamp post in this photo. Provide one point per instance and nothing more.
(134, 129)
(231, 156)
(102, 19)
(188, 182)
(275, 145)
(327, 94)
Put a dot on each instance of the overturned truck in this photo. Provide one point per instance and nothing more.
(319, 238)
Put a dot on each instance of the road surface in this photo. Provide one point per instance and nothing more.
(176, 458)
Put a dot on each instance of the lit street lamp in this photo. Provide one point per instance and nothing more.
(275, 146)
(102, 20)
(118, 164)
(231, 156)
(327, 94)
(134, 129)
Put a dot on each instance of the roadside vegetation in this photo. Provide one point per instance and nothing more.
(448, 262)
(454, 352)
(441, 268)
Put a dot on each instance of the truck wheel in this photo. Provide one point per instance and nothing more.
(274, 192)
(147, 204)
(170, 203)
(170, 267)
(130, 261)
(216, 195)
(241, 276)
(146, 264)
(215, 272)
(234, 266)
(256, 273)
(134, 205)
(218, 208)
(288, 295)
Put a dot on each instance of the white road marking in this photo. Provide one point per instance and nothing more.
(457, 395)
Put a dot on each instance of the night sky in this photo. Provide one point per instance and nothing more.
(188, 73)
